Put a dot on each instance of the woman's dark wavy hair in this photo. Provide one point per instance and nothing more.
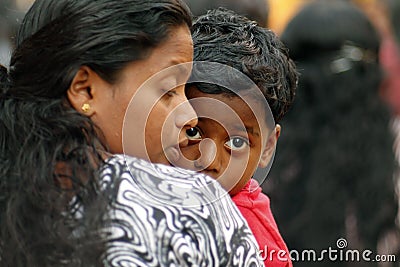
(335, 157)
(228, 38)
(50, 201)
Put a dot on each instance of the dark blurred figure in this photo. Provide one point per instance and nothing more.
(385, 15)
(256, 10)
(333, 174)
(394, 9)
(5, 46)
(11, 14)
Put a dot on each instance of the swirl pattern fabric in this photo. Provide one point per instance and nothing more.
(165, 216)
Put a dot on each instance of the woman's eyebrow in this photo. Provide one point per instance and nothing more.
(179, 66)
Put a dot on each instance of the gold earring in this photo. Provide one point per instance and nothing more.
(86, 108)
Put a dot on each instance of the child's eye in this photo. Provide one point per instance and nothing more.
(237, 143)
(193, 133)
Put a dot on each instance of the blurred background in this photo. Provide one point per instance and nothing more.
(335, 173)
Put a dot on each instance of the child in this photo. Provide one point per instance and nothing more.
(227, 38)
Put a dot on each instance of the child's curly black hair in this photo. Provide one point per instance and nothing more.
(228, 38)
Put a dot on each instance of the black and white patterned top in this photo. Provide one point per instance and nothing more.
(165, 216)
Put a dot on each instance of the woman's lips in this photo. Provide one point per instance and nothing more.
(173, 153)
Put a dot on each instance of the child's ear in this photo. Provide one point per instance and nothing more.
(269, 148)
(80, 92)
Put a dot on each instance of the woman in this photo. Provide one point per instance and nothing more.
(66, 200)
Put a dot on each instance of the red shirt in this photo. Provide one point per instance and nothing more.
(390, 61)
(255, 208)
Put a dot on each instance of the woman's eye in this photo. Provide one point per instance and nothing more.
(193, 133)
(169, 93)
(237, 143)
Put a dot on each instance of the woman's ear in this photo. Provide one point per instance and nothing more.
(80, 92)
(269, 148)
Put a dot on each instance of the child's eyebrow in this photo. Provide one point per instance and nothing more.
(249, 130)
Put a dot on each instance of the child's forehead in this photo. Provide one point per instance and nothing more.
(229, 96)
(222, 108)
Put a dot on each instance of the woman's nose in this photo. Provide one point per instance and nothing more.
(208, 159)
(186, 117)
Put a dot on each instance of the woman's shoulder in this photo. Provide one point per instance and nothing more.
(163, 215)
(156, 179)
